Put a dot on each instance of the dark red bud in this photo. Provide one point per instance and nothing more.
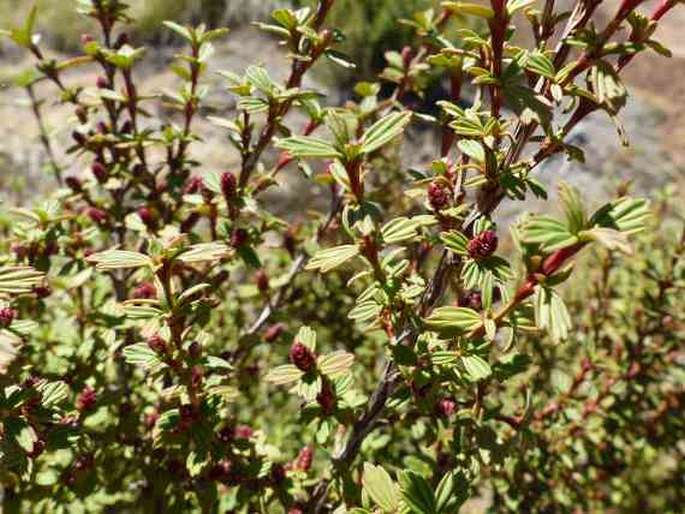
(79, 138)
(193, 185)
(99, 171)
(438, 196)
(278, 474)
(229, 185)
(145, 290)
(74, 184)
(304, 459)
(195, 350)
(262, 281)
(239, 237)
(273, 332)
(473, 300)
(97, 215)
(148, 216)
(302, 357)
(326, 397)
(7, 316)
(38, 448)
(86, 39)
(243, 432)
(483, 245)
(42, 291)
(446, 407)
(101, 82)
(87, 399)
(157, 343)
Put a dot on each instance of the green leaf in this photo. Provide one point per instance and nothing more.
(476, 367)
(469, 8)
(205, 252)
(399, 230)
(573, 207)
(117, 259)
(335, 364)
(53, 393)
(179, 29)
(260, 79)
(609, 238)
(453, 321)
(307, 336)
(326, 260)
(549, 232)
(380, 487)
(140, 354)
(19, 279)
(417, 493)
(455, 241)
(308, 147)
(282, 375)
(541, 64)
(384, 130)
(626, 214)
(551, 314)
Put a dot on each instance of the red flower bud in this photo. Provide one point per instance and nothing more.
(38, 448)
(99, 171)
(273, 332)
(326, 397)
(148, 216)
(278, 474)
(302, 357)
(7, 315)
(195, 350)
(74, 184)
(238, 237)
(86, 39)
(473, 300)
(229, 186)
(101, 82)
(87, 399)
(304, 459)
(445, 407)
(483, 245)
(193, 185)
(97, 215)
(145, 290)
(42, 291)
(262, 281)
(438, 196)
(157, 343)
(243, 432)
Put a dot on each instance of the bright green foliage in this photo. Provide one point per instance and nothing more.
(171, 342)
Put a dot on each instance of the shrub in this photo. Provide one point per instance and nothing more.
(172, 341)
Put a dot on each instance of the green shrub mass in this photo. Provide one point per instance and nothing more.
(173, 340)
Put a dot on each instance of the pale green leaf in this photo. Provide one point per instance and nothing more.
(380, 487)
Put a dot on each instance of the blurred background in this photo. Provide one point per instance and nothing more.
(654, 118)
